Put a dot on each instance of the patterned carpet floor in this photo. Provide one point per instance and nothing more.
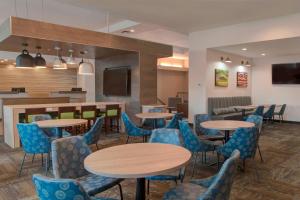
(278, 176)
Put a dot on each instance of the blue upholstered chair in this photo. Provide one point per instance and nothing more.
(51, 132)
(160, 123)
(174, 122)
(217, 187)
(258, 121)
(210, 134)
(280, 113)
(193, 143)
(34, 141)
(93, 135)
(243, 139)
(259, 111)
(269, 114)
(132, 130)
(166, 136)
(68, 155)
(60, 189)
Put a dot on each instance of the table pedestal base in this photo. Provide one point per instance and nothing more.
(140, 189)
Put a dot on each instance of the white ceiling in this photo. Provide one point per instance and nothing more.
(191, 15)
(272, 48)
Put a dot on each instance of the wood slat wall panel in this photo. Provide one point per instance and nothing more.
(38, 82)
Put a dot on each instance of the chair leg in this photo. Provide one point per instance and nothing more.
(42, 160)
(97, 146)
(218, 156)
(194, 165)
(261, 158)
(47, 163)
(148, 187)
(33, 158)
(244, 165)
(127, 140)
(121, 191)
(21, 167)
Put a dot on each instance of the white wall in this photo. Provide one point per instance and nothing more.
(265, 93)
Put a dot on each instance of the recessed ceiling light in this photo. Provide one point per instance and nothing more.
(132, 30)
(263, 54)
(2, 61)
(244, 49)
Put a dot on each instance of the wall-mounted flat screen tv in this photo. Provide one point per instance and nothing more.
(286, 73)
(117, 81)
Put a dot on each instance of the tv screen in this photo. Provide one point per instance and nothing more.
(286, 73)
(117, 81)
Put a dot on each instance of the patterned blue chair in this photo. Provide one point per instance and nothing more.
(60, 189)
(209, 134)
(258, 121)
(174, 122)
(68, 155)
(51, 132)
(166, 136)
(160, 123)
(193, 143)
(34, 141)
(269, 114)
(93, 135)
(243, 139)
(259, 111)
(132, 130)
(217, 187)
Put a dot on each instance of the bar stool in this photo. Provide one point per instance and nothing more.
(29, 112)
(112, 117)
(89, 113)
(68, 112)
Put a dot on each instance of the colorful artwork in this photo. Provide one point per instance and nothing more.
(221, 77)
(242, 79)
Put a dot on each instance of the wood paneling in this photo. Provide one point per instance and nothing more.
(38, 82)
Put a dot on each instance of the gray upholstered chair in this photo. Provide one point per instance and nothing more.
(68, 155)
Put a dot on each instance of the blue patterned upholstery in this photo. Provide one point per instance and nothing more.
(217, 187)
(174, 123)
(93, 135)
(198, 119)
(166, 136)
(68, 156)
(51, 132)
(60, 189)
(33, 139)
(259, 111)
(160, 123)
(243, 139)
(270, 112)
(132, 129)
(191, 140)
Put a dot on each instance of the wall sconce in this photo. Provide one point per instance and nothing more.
(227, 60)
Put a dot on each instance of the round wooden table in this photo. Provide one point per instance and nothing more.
(60, 123)
(154, 116)
(226, 126)
(137, 161)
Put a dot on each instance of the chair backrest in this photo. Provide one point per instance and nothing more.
(174, 123)
(113, 110)
(68, 155)
(243, 139)
(89, 112)
(173, 101)
(33, 139)
(257, 120)
(29, 112)
(282, 109)
(259, 111)
(57, 189)
(190, 139)
(220, 188)
(198, 119)
(130, 127)
(270, 111)
(93, 135)
(41, 117)
(166, 136)
(68, 112)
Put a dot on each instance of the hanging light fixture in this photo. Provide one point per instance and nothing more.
(85, 68)
(248, 64)
(71, 59)
(228, 60)
(59, 62)
(24, 60)
(39, 61)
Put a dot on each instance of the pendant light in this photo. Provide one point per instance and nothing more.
(39, 61)
(71, 59)
(248, 64)
(59, 62)
(24, 60)
(85, 68)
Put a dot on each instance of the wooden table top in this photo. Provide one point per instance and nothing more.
(137, 160)
(154, 115)
(60, 123)
(226, 125)
(245, 107)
